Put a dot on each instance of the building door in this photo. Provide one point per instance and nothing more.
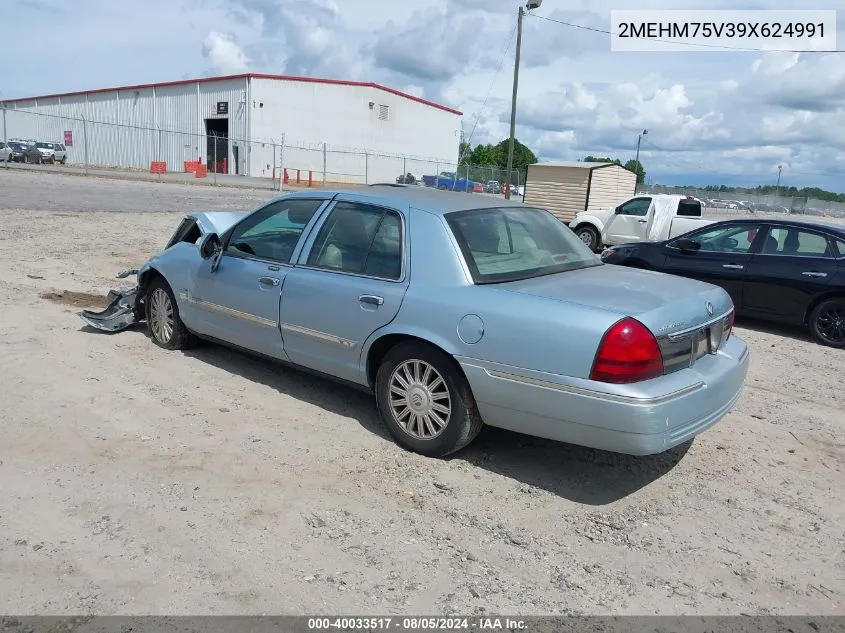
(217, 145)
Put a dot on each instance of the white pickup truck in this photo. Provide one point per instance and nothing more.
(642, 218)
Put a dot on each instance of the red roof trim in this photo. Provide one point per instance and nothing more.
(316, 80)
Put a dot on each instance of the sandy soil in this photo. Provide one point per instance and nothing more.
(135, 480)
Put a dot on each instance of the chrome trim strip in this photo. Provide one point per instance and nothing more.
(676, 335)
(214, 307)
(545, 384)
(323, 336)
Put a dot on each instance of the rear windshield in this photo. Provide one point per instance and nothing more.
(512, 243)
(44, 145)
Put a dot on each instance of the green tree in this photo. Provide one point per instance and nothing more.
(636, 167)
(522, 157)
(594, 159)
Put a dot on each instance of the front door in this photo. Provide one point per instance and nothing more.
(722, 257)
(629, 223)
(239, 301)
(348, 283)
(794, 266)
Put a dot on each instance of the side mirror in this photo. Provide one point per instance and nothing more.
(686, 244)
(209, 245)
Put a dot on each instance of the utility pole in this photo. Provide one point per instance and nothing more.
(531, 4)
(780, 168)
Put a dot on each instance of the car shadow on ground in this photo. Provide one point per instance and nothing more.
(580, 474)
(767, 327)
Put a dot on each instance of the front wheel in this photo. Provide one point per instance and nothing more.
(589, 236)
(425, 402)
(827, 322)
(166, 327)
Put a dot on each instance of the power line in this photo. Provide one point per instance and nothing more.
(489, 92)
(682, 43)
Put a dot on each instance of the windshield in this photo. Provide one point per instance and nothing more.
(509, 244)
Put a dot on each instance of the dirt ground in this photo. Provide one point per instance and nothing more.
(139, 481)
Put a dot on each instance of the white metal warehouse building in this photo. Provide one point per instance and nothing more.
(353, 131)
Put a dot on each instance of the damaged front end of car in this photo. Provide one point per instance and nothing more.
(125, 308)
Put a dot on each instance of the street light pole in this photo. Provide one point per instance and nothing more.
(531, 4)
(637, 161)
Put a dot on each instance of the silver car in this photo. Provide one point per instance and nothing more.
(455, 311)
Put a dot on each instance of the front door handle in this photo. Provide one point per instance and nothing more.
(733, 266)
(814, 274)
(268, 281)
(643, 221)
(371, 299)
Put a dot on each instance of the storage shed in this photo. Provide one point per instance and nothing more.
(567, 188)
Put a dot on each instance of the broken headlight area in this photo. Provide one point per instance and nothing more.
(124, 309)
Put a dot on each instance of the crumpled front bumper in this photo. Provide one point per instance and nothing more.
(122, 312)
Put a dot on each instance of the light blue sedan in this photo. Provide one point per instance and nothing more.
(455, 311)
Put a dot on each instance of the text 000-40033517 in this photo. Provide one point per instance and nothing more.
(711, 30)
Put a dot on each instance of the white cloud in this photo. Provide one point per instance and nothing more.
(224, 55)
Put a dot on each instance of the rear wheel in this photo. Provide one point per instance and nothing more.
(424, 400)
(589, 236)
(166, 327)
(827, 322)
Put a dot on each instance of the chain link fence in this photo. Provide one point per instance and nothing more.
(744, 201)
(282, 160)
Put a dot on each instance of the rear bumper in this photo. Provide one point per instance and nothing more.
(664, 413)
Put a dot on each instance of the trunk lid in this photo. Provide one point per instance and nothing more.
(665, 304)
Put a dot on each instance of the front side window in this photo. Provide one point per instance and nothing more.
(796, 242)
(360, 239)
(272, 232)
(637, 207)
(509, 244)
(736, 238)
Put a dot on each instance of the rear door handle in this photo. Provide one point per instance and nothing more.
(371, 299)
(733, 266)
(814, 274)
(268, 281)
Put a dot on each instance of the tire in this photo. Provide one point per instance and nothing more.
(53, 160)
(165, 326)
(444, 432)
(590, 237)
(827, 322)
(64, 160)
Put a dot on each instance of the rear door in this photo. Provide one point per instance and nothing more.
(629, 221)
(795, 266)
(724, 254)
(349, 281)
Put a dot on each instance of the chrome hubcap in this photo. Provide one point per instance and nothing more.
(161, 315)
(419, 399)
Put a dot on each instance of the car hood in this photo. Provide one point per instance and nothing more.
(664, 303)
(218, 221)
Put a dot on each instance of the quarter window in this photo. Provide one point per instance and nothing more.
(272, 232)
(796, 242)
(360, 239)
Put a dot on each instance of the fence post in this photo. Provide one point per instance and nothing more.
(274, 165)
(85, 144)
(404, 168)
(324, 164)
(214, 134)
(8, 158)
(366, 168)
(282, 161)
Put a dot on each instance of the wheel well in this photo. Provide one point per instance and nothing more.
(818, 300)
(638, 263)
(383, 345)
(143, 281)
(588, 225)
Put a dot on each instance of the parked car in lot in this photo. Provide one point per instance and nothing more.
(52, 152)
(409, 179)
(653, 217)
(447, 181)
(30, 154)
(454, 311)
(5, 152)
(785, 271)
(493, 186)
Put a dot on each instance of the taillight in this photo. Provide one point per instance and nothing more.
(628, 352)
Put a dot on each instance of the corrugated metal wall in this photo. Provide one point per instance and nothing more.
(561, 190)
(610, 186)
(130, 128)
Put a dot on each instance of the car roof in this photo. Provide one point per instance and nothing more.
(424, 198)
(831, 227)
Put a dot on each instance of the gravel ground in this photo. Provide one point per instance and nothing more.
(139, 481)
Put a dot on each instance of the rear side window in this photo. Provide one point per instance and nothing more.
(689, 208)
(797, 243)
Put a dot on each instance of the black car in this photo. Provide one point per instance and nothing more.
(785, 271)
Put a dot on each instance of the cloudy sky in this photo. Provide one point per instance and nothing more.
(712, 117)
